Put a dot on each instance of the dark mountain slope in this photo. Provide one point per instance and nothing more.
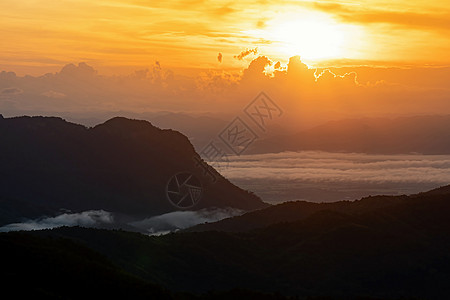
(35, 267)
(393, 251)
(57, 268)
(123, 166)
(295, 211)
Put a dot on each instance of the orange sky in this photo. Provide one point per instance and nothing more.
(119, 35)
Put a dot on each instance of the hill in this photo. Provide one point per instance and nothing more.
(61, 269)
(295, 211)
(58, 268)
(121, 166)
(368, 249)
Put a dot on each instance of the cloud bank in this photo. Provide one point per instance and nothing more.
(327, 177)
(308, 95)
(341, 167)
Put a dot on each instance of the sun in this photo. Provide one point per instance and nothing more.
(313, 36)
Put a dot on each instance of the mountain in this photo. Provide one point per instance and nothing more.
(397, 250)
(418, 134)
(61, 269)
(294, 211)
(49, 268)
(121, 166)
(199, 128)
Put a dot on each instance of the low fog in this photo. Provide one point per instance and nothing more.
(155, 225)
(324, 176)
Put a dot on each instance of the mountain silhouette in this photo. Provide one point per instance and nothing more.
(385, 248)
(416, 134)
(295, 211)
(121, 166)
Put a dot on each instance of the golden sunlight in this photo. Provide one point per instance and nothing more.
(313, 36)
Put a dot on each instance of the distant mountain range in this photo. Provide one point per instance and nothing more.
(429, 134)
(377, 248)
(419, 134)
(295, 211)
(121, 166)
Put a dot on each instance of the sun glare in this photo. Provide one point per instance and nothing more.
(314, 37)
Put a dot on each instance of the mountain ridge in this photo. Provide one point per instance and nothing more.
(399, 250)
(120, 166)
(293, 211)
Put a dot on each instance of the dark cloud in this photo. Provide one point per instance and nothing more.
(245, 53)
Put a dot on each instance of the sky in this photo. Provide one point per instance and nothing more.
(116, 36)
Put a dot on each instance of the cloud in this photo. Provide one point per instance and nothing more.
(219, 57)
(54, 94)
(217, 82)
(322, 167)
(7, 75)
(256, 68)
(408, 19)
(82, 71)
(224, 10)
(183, 219)
(309, 95)
(11, 91)
(328, 77)
(245, 53)
(326, 177)
(92, 218)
